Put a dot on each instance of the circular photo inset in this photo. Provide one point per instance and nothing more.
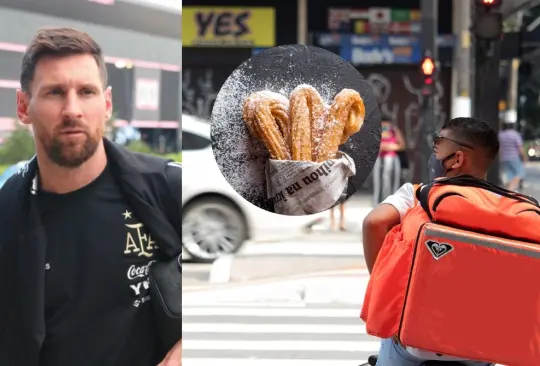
(296, 130)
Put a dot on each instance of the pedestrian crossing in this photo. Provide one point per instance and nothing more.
(264, 334)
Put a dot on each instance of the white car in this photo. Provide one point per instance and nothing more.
(215, 219)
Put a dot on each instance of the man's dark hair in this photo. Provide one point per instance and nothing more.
(59, 42)
(475, 132)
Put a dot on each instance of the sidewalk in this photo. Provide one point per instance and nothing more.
(356, 209)
(335, 286)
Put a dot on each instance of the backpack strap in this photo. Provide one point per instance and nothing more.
(468, 181)
(416, 187)
(422, 195)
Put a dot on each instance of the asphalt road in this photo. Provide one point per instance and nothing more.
(264, 335)
(310, 253)
(308, 321)
(293, 303)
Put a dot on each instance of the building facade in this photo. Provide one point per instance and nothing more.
(380, 38)
(142, 48)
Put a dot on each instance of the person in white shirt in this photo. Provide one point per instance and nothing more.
(463, 146)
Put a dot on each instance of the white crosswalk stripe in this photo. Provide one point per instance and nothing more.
(270, 334)
(304, 248)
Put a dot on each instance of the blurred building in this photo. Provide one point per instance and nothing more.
(381, 38)
(142, 46)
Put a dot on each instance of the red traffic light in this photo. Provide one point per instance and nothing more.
(489, 2)
(428, 66)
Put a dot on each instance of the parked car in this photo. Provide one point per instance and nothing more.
(215, 219)
(10, 171)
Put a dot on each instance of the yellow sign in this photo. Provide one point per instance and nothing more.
(228, 27)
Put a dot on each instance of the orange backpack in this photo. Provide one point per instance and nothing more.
(460, 274)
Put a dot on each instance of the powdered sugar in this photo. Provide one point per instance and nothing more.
(239, 155)
(242, 158)
(273, 95)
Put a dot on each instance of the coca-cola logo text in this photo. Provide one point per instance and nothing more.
(138, 271)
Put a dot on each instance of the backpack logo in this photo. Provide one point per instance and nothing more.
(438, 250)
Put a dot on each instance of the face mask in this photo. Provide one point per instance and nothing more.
(436, 167)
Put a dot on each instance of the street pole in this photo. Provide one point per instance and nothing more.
(486, 81)
(302, 21)
(461, 72)
(513, 90)
(429, 11)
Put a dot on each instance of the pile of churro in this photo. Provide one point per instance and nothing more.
(303, 127)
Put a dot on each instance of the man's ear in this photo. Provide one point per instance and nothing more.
(108, 103)
(23, 100)
(459, 160)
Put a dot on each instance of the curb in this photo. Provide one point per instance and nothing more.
(345, 271)
(342, 289)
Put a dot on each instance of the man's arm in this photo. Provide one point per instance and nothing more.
(524, 156)
(376, 225)
(382, 219)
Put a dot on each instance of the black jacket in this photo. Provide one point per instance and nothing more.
(142, 180)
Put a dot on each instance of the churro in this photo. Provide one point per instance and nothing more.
(266, 117)
(303, 127)
(307, 115)
(345, 118)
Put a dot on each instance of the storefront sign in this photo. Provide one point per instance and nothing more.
(375, 50)
(380, 50)
(228, 27)
(374, 20)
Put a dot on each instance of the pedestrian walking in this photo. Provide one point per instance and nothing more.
(341, 217)
(387, 168)
(512, 156)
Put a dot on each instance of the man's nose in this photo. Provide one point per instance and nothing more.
(72, 107)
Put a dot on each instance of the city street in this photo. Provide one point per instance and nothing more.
(294, 302)
(310, 320)
(310, 253)
(317, 250)
(320, 250)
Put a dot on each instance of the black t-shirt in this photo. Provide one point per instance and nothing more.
(97, 306)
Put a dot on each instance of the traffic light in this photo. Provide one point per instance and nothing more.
(428, 71)
(487, 24)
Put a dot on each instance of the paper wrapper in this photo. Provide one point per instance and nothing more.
(304, 188)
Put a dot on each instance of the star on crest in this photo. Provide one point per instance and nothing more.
(127, 215)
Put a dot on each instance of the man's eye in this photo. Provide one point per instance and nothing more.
(55, 92)
(88, 91)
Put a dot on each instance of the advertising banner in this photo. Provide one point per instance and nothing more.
(228, 27)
